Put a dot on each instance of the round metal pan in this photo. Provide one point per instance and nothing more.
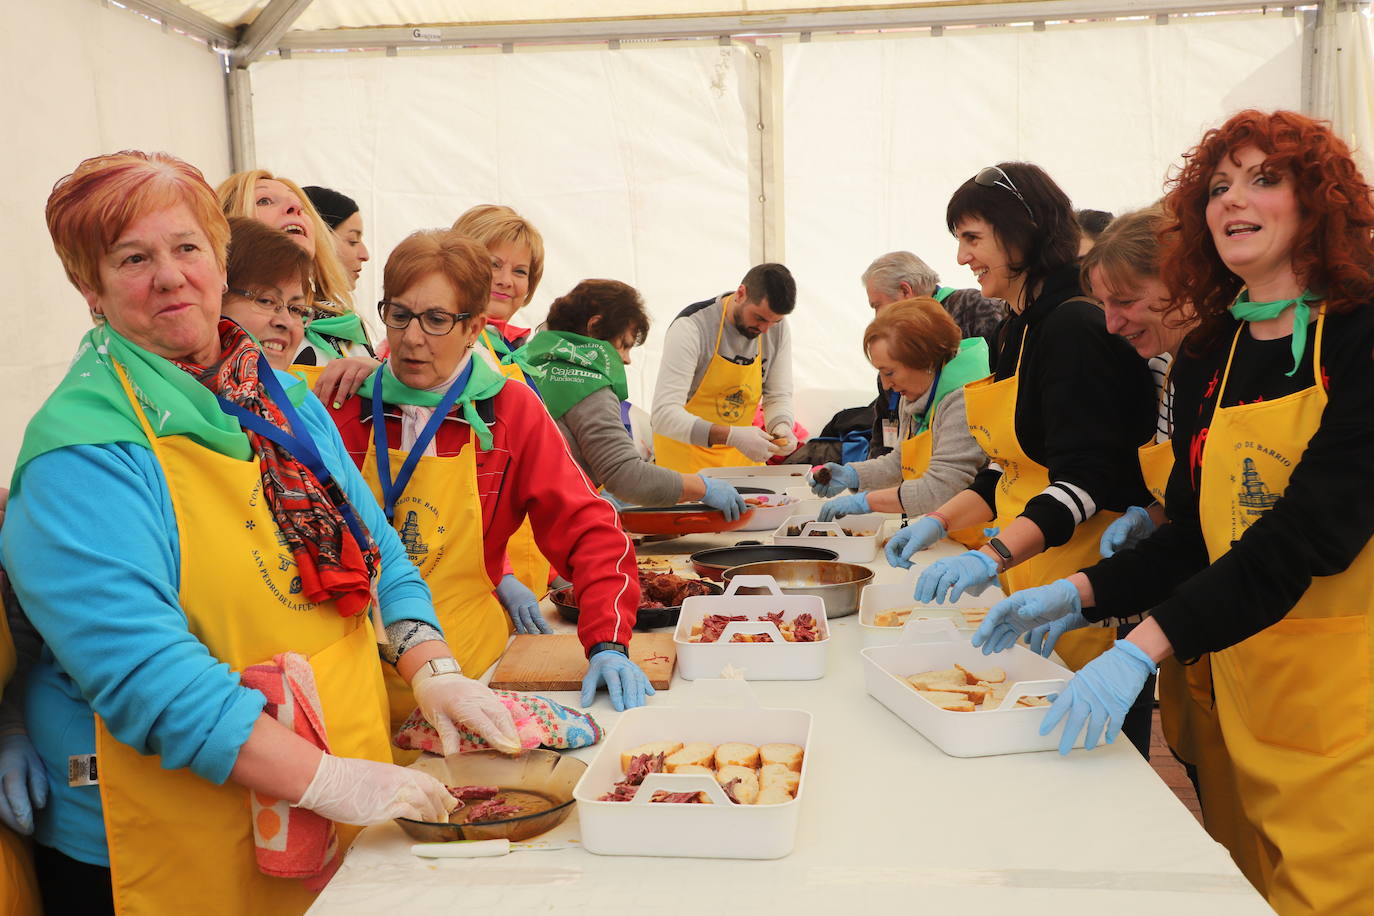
(648, 618)
(839, 585)
(712, 564)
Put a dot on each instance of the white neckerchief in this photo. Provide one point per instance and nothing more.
(414, 417)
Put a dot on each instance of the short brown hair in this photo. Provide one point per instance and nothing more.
(89, 209)
(918, 332)
(464, 263)
(260, 256)
(1131, 244)
(491, 223)
(616, 304)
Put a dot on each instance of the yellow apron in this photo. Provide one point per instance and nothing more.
(18, 887)
(526, 562)
(439, 519)
(729, 396)
(915, 453)
(1294, 700)
(991, 408)
(178, 843)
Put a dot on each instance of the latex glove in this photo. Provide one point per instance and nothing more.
(840, 506)
(842, 477)
(1043, 638)
(756, 444)
(720, 495)
(23, 782)
(948, 579)
(449, 700)
(784, 431)
(918, 535)
(355, 791)
(522, 605)
(625, 681)
(617, 504)
(1127, 531)
(1024, 610)
(1100, 695)
(341, 378)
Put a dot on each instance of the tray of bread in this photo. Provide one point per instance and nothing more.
(885, 609)
(964, 702)
(700, 782)
(854, 537)
(769, 637)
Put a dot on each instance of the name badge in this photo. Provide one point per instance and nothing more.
(890, 433)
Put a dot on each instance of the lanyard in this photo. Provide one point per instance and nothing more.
(930, 398)
(303, 449)
(392, 490)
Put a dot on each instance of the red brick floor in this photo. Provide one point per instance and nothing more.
(1171, 771)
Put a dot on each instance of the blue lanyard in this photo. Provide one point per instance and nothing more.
(934, 384)
(892, 400)
(302, 448)
(391, 491)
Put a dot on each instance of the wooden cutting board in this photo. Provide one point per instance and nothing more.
(558, 663)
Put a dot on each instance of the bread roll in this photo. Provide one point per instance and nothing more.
(692, 769)
(697, 753)
(790, 755)
(736, 754)
(779, 774)
(773, 795)
(747, 789)
(653, 747)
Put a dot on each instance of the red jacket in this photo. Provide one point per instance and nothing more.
(529, 472)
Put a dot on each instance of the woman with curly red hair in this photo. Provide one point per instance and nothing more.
(1267, 562)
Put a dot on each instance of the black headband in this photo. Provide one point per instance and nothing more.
(333, 207)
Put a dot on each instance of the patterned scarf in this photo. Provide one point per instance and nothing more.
(332, 565)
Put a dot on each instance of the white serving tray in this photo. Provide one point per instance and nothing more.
(851, 548)
(787, 475)
(878, 598)
(1007, 730)
(766, 518)
(721, 830)
(760, 661)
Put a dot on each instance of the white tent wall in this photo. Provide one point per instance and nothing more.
(81, 79)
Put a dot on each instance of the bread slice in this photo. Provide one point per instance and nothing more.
(696, 753)
(954, 702)
(773, 795)
(789, 755)
(666, 748)
(992, 676)
(747, 789)
(735, 754)
(1032, 701)
(948, 679)
(692, 769)
(778, 774)
(977, 693)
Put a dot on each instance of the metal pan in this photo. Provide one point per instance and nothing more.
(712, 564)
(648, 618)
(837, 584)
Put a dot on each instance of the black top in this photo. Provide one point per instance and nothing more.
(1085, 403)
(1322, 521)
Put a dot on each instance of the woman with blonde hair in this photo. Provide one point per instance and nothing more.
(517, 265)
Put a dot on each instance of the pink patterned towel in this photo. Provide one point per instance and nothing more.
(539, 720)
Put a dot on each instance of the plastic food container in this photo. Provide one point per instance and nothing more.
(856, 548)
(760, 661)
(879, 598)
(776, 508)
(776, 477)
(721, 830)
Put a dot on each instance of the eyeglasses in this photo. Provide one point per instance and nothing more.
(435, 322)
(994, 177)
(271, 305)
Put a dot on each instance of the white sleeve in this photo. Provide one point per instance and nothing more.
(777, 384)
(681, 354)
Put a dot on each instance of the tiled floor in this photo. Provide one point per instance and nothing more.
(1171, 771)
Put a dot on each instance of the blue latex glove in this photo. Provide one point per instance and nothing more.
(1100, 695)
(969, 572)
(842, 477)
(23, 783)
(1042, 639)
(522, 605)
(616, 503)
(1127, 531)
(840, 506)
(919, 535)
(625, 681)
(720, 495)
(1025, 610)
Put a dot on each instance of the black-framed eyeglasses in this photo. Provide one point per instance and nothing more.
(993, 177)
(271, 305)
(435, 322)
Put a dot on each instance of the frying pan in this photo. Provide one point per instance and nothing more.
(712, 564)
(649, 618)
(684, 518)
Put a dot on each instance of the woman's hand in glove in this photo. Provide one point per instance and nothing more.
(1024, 610)
(720, 495)
(1127, 531)
(522, 605)
(625, 681)
(969, 572)
(450, 700)
(918, 535)
(840, 506)
(842, 477)
(1100, 695)
(363, 792)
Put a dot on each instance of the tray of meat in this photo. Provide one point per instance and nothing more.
(854, 538)
(885, 609)
(772, 637)
(660, 598)
(699, 782)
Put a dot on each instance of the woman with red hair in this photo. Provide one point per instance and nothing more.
(1266, 562)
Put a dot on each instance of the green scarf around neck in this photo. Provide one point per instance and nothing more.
(89, 406)
(1246, 310)
(567, 367)
(347, 326)
(968, 365)
(482, 384)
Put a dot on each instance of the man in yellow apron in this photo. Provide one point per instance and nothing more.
(721, 358)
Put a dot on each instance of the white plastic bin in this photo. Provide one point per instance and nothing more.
(876, 599)
(851, 548)
(760, 661)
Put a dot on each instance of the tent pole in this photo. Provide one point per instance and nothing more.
(763, 107)
(243, 154)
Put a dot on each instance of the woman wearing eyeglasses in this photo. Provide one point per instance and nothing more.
(1061, 416)
(459, 458)
(268, 278)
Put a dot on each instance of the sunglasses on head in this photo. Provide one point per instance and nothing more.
(994, 177)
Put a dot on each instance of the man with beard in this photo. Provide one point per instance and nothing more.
(720, 358)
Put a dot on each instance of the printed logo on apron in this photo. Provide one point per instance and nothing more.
(730, 405)
(418, 515)
(276, 570)
(1252, 495)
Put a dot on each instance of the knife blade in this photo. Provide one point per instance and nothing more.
(476, 849)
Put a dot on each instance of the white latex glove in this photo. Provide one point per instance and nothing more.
(783, 430)
(447, 700)
(364, 792)
(756, 444)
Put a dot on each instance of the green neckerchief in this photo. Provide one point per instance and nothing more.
(482, 384)
(347, 326)
(504, 354)
(968, 365)
(942, 293)
(1246, 310)
(567, 367)
(89, 406)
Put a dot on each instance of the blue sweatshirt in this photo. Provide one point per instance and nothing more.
(90, 542)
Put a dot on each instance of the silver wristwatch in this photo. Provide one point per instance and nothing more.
(435, 666)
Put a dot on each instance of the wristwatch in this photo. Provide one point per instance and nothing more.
(435, 666)
(1002, 551)
(613, 646)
